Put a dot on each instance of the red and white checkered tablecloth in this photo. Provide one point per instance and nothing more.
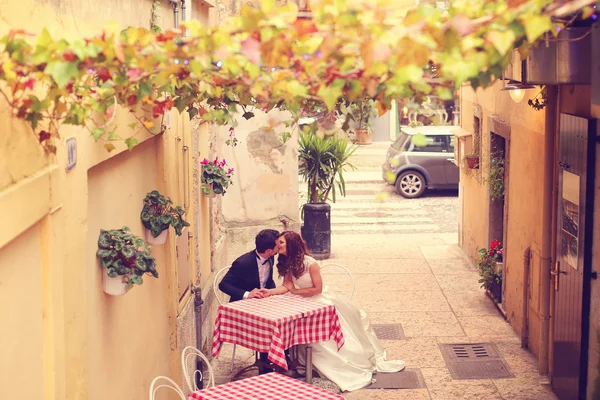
(274, 324)
(271, 386)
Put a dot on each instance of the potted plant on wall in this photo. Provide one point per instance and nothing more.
(362, 113)
(124, 259)
(158, 214)
(216, 177)
(322, 161)
(490, 269)
(471, 160)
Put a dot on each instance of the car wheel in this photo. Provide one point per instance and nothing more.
(410, 184)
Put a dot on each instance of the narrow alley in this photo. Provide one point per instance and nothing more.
(410, 273)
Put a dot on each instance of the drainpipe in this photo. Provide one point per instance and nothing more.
(197, 292)
(175, 5)
(548, 227)
(526, 269)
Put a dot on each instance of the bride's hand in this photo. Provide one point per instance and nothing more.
(290, 286)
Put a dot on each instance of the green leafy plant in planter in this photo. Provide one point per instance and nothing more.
(216, 176)
(495, 177)
(122, 254)
(159, 213)
(321, 162)
(490, 274)
(362, 113)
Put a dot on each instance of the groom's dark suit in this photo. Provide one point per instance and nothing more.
(243, 276)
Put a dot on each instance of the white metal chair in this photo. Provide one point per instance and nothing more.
(222, 299)
(191, 351)
(169, 384)
(334, 266)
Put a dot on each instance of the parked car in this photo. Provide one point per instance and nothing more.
(421, 158)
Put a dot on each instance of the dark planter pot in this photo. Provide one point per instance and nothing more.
(316, 229)
(496, 291)
(472, 162)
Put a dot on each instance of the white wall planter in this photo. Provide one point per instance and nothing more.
(113, 286)
(160, 239)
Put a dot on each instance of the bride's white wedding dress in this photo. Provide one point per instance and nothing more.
(352, 367)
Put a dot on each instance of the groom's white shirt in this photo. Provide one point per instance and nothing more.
(263, 272)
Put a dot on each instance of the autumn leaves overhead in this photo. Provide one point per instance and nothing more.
(261, 59)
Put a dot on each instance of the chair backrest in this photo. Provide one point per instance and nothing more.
(191, 353)
(337, 269)
(222, 298)
(169, 384)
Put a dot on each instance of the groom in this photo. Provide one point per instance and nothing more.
(251, 275)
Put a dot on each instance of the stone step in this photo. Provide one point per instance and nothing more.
(341, 220)
(359, 228)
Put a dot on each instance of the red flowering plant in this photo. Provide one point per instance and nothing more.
(487, 264)
(216, 176)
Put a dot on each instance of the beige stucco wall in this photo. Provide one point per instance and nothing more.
(525, 181)
(63, 338)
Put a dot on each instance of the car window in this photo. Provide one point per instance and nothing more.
(428, 143)
(400, 142)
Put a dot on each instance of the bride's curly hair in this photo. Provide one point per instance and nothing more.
(293, 261)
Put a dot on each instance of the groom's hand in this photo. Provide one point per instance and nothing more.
(256, 294)
(265, 292)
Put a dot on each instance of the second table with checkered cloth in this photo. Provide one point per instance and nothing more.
(274, 324)
(271, 386)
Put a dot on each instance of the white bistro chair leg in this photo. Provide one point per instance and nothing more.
(232, 358)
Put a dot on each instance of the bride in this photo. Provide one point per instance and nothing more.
(351, 367)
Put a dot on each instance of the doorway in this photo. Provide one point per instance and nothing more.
(572, 269)
(496, 180)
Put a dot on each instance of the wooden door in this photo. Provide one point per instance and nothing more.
(573, 260)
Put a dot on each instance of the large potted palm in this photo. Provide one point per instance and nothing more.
(322, 161)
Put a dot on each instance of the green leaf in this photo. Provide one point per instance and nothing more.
(329, 95)
(62, 72)
(502, 41)
(97, 133)
(535, 26)
(192, 112)
(131, 143)
(144, 90)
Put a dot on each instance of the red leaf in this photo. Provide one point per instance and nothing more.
(251, 49)
(134, 73)
(44, 135)
(29, 84)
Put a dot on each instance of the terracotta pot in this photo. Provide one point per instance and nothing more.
(211, 194)
(160, 239)
(364, 136)
(472, 162)
(113, 286)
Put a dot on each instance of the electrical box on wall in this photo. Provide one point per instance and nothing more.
(71, 144)
(462, 145)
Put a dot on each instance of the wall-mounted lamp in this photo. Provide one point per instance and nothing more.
(517, 90)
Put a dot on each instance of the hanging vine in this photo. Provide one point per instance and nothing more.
(155, 17)
(540, 100)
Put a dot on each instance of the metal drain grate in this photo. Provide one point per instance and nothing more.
(474, 361)
(405, 379)
(469, 351)
(389, 331)
(480, 369)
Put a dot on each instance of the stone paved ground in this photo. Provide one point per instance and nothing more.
(408, 270)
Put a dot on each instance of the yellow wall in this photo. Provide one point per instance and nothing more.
(21, 316)
(62, 337)
(525, 194)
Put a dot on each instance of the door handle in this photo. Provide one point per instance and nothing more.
(556, 273)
